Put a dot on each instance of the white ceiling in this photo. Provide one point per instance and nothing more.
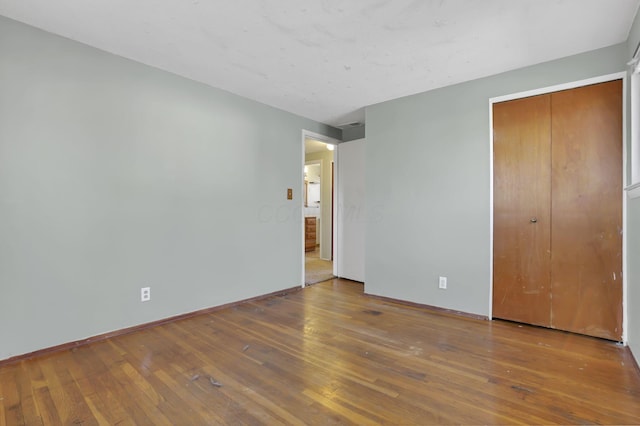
(327, 59)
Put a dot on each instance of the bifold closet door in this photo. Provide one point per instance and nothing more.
(586, 231)
(521, 240)
(558, 210)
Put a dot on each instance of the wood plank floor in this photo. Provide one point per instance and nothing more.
(327, 355)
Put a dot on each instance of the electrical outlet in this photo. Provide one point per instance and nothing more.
(145, 294)
(442, 283)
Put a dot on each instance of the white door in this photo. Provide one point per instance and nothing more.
(351, 210)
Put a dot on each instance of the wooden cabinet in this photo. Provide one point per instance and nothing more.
(309, 233)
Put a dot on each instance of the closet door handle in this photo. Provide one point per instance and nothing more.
(533, 220)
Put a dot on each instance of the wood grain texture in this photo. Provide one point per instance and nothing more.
(105, 336)
(310, 233)
(586, 234)
(327, 354)
(522, 185)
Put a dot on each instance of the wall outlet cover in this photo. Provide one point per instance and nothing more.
(145, 294)
(442, 283)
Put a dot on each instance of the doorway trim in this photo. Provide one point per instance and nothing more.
(307, 134)
(557, 88)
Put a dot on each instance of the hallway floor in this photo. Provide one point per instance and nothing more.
(316, 269)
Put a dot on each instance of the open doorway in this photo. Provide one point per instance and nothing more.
(318, 184)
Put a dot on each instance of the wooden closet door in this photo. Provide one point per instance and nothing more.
(522, 149)
(586, 240)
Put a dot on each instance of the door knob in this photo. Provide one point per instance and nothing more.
(533, 220)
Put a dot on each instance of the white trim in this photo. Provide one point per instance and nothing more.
(490, 315)
(334, 207)
(625, 316)
(301, 203)
(635, 190)
(307, 134)
(634, 63)
(558, 87)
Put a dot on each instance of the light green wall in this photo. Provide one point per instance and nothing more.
(634, 37)
(115, 176)
(428, 185)
(325, 200)
(353, 133)
(633, 276)
(633, 235)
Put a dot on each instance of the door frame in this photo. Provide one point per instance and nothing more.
(557, 88)
(307, 134)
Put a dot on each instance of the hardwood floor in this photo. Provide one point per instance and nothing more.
(328, 355)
